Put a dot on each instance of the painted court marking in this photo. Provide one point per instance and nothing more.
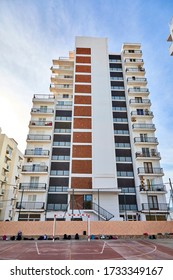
(36, 245)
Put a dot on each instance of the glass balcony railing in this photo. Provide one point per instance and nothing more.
(40, 123)
(58, 189)
(155, 206)
(142, 113)
(154, 170)
(145, 139)
(30, 205)
(59, 172)
(32, 186)
(57, 207)
(42, 111)
(34, 168)
(37, 137)
(35, 152)
(143, 126)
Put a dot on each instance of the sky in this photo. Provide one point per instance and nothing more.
(33, 32)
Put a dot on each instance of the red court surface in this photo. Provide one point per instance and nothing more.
(127, 249)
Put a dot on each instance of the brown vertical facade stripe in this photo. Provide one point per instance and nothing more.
(83, 59)
(83, 51)
(79, 99)
(82, 123)
(83, 78)
(81, 182)
(82, 166)
(82, 137)
(82, 151)
(83, 68)
(82, 111)
(82, 89)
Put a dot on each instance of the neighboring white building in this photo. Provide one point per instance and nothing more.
(91, 146)
(10, 168)
(170, 37)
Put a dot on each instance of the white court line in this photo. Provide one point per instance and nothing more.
(139, 255)
(36, 245)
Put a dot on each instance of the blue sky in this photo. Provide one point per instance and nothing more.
(33, 32)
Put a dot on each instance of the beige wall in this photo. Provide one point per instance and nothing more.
(72, 227)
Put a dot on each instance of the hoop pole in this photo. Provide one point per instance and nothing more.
(88, 225)
(54, 227)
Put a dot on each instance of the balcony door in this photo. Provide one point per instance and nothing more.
(34, 182)
(143, 137)
(153, 203)
(146, 152)
(148, 167)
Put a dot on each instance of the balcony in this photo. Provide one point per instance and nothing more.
(61, 79)
(134, 80)
(40, 123)
(59, 172)
(155, 206)
(32, 187)
(62, 144)
(154, 155)
(154, 188)
(140, 71)
(61, 87)
(143, 126)
(134, 61)
(58, 189)
(116, 69)
(127, 207)
(138, 90)
(42, 111)
(35, 152)
(68, 119)
(62, 130)
(125, 174)
(140, 102)
(38, 137)
(25, 205)
(61, 158)
(150, 140)
(132, 53)
(57, 207)
(142, 113)
(57, 69)
(150, 171)
(35, 168)
(117, 88)
(44, 98)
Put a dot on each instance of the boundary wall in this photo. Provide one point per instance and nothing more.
(119, 228)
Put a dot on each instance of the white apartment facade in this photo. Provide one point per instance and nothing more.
(91, 146)
(10, 167)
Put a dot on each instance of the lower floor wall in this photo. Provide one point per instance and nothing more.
(37, 228)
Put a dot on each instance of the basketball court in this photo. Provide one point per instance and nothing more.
(127, 249)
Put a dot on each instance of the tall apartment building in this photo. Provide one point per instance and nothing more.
(170, 37)
(91, 146)
(10, 167)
